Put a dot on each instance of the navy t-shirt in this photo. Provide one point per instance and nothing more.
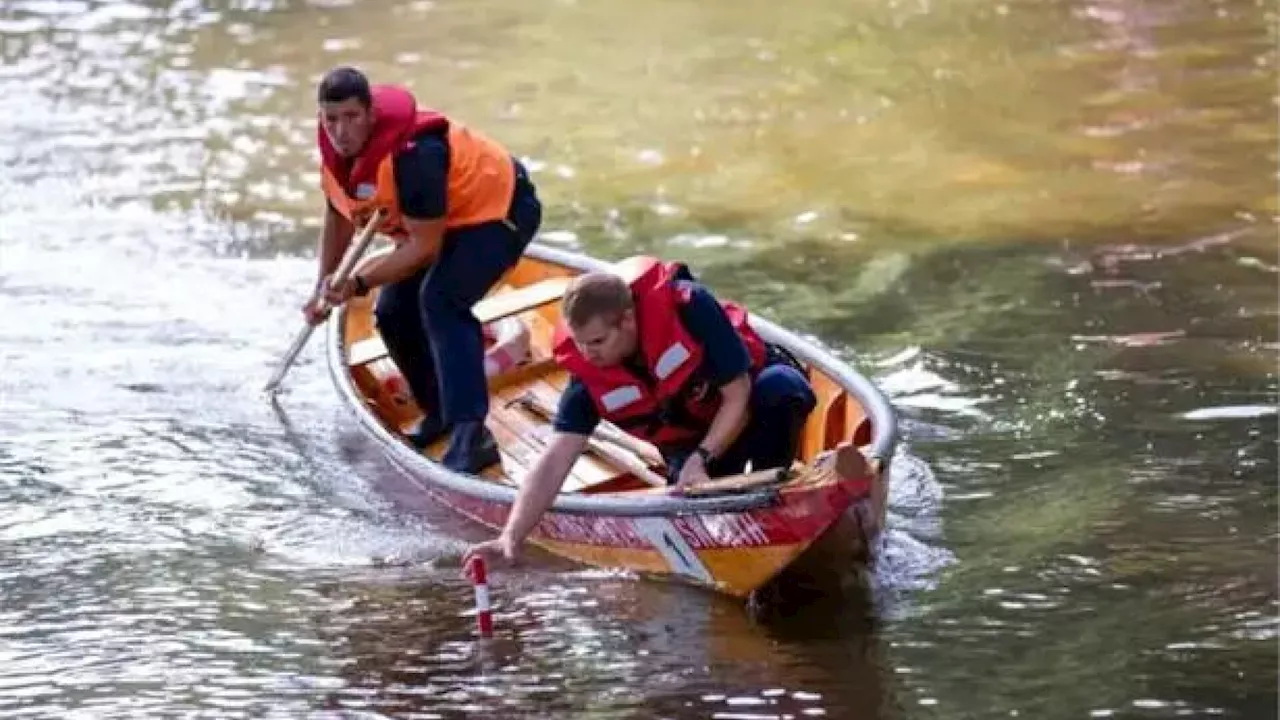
(422, 176)
(724, 358)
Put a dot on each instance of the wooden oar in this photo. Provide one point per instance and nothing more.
(625, 459)
(619, 455)
(631, 457)
(349, 259)
(605, 430)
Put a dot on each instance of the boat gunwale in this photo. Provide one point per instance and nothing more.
(877, 406)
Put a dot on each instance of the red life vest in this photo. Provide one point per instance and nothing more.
(675, 407)
(481, 175)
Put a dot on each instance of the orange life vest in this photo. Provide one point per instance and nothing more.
(481, 176)
(674, 406)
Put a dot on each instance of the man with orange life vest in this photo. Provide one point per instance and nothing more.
(461, 211)
(665, 361)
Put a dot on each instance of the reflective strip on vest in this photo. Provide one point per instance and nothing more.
(670, 360)
(620, 397)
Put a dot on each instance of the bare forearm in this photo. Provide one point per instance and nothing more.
(730, 418)
(397, 265)
(426, 237)
(540, 487)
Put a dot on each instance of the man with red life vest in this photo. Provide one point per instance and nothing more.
(661, 358)
(460, 210)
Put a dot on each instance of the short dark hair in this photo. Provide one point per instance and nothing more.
(596, 295)
(343, 83)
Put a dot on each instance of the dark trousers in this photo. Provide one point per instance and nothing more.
(426, 319)
(781, 400)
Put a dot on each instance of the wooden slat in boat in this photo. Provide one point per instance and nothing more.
(520, 300)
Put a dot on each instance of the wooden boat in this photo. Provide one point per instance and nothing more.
(731, 535)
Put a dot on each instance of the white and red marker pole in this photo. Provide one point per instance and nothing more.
(484, 615)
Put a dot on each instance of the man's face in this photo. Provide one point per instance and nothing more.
(348, 125)
(606, 343)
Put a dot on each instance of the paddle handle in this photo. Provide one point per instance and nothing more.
(348, 263)
(738, 483)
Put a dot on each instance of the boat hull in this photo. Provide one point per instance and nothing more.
(733, 553)
(730, 542)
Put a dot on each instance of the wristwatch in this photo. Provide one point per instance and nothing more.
(361, 288)
(704, 453)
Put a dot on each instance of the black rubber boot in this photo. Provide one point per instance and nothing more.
(429, 430)
(472, 448)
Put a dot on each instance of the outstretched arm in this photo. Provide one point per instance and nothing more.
(576, 418)
(540, 488)
(537, 492)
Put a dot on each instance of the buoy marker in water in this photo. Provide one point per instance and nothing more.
(484, 615)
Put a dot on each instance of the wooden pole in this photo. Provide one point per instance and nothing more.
(353, 253)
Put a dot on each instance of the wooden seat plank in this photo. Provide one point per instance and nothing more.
(514, 302)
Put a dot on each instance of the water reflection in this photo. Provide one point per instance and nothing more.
(583, 644)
